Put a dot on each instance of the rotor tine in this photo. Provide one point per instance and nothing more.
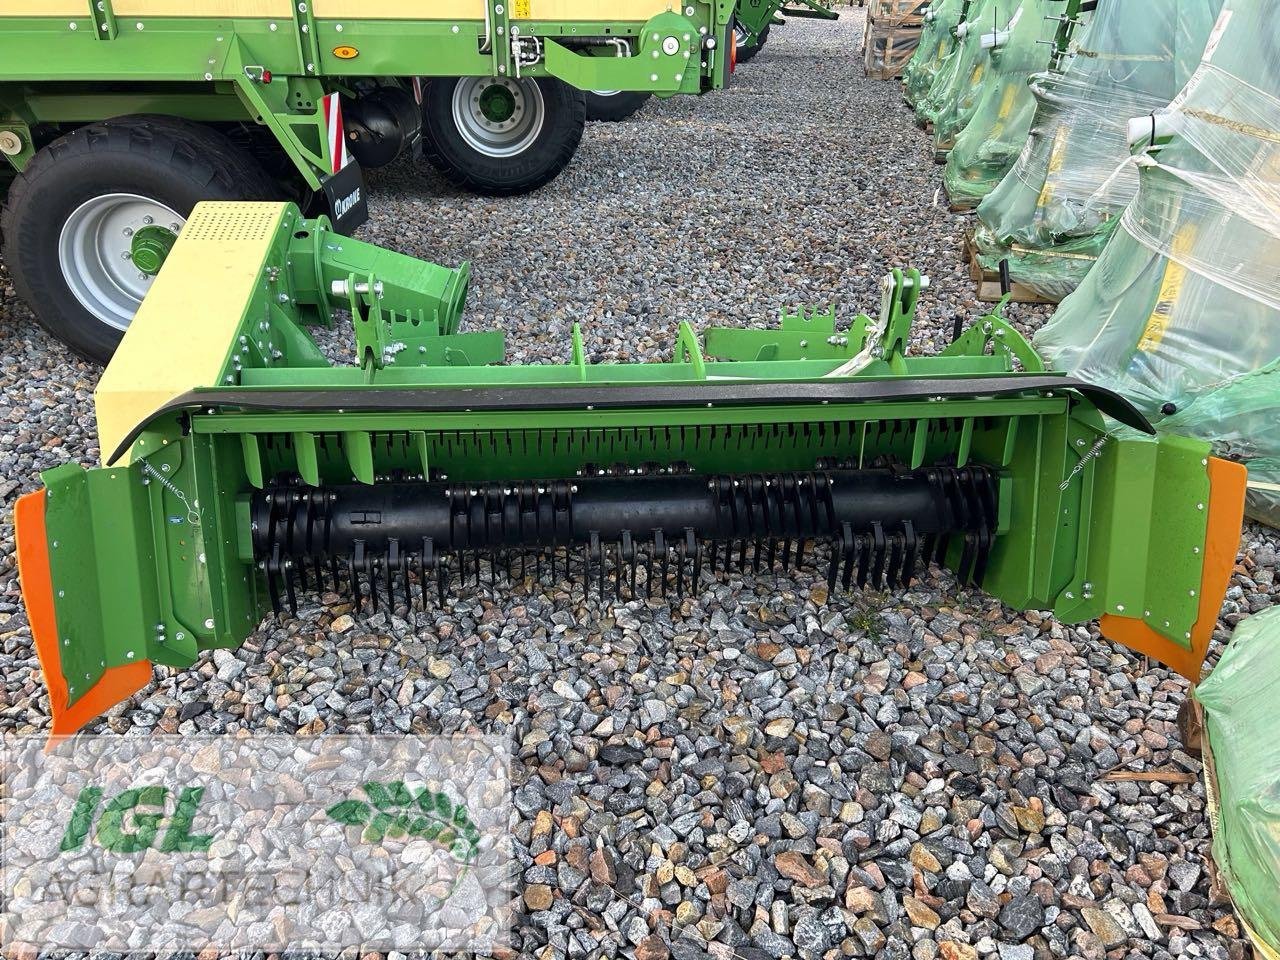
(967, 557)
(628, 548)
(442, 577)
(755, 558)
(476, 554)
(846, 535)
(864, 559)
(357, 561)
(895, 559)
(786, 554)
(910, 547)
(660, 546)
(301, 567)
(983, 555)
(372, 563)
(742, 555)
(428, 563)
(878, 551)
(597, 554)
(799, 552)
(333, 571)
(273, 588)
(773, 551)
(680, 552)
(833, 568)
(404, 576)
(393, 559)
(927, 547)
(288, 586)
(692, 544)
(648, 567)
(713, 547)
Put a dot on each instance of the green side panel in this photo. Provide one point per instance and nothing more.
(1141, 537)
(1241, 701)
(101, 561)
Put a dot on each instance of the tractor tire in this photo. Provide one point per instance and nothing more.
(615, 105)
(745, 52)
(69, 217)
(501, 137)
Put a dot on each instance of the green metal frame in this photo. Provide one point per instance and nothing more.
(152, 557)
(754, 15)
(71, 71)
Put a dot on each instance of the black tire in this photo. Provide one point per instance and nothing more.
(745, 53)
(614, 107)
(537, 163)
(168, 160)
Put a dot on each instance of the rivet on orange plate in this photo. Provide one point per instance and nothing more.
(346, 53)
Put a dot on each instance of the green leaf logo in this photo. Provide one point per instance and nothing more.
(394, 811)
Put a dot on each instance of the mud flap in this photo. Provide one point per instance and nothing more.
(82, 682)
(1156, 555)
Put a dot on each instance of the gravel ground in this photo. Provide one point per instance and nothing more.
(751, 773)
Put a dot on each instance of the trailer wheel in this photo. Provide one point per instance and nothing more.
(614, 105)
(88, 224)
(499, 136)
(746, 52)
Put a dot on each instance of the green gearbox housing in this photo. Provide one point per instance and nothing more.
(241, 468)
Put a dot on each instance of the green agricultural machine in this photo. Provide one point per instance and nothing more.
(243, 471)
(937, 41)
(985, 150)
(754, 18)
(118, 116)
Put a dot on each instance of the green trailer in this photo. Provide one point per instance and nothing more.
(118, 116)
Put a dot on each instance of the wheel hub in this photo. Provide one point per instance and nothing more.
(110, 249)
(150, 246)
(496, 116)
(497, 104)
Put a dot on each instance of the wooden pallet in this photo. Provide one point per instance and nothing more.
(886, 54)
(897, 12)
(987, 282)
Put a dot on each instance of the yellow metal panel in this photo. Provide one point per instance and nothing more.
(544, 10)
(201, 8)
(44, 8)
(187, 324)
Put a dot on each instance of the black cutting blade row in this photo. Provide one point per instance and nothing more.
(629, 535)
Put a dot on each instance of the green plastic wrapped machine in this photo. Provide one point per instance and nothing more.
(1059, 205)
(1241, 701)
(971, 82)
(937, 40)
(988, 146)
(955, 87)
(1182, 311)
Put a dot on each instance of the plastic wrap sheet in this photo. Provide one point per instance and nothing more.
(955, 86)
(1241, 701)
(935, 43)
(1182, 311)
(1059, 205)
(990, 41)
(985, 150)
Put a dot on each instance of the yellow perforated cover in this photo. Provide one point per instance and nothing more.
(182, 334)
